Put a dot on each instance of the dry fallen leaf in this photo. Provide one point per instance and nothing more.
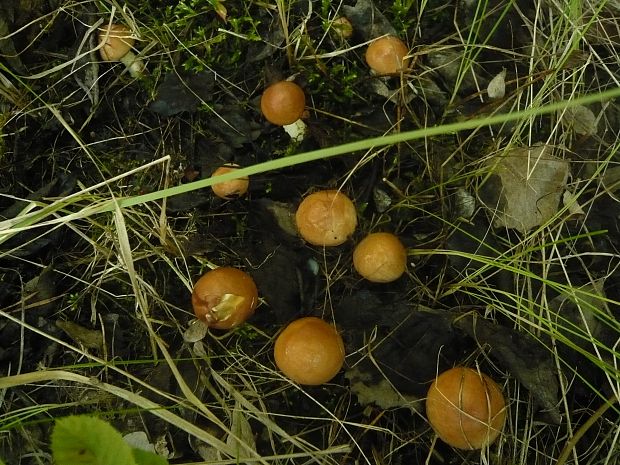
(611, 179)
(380, 393)
(525, 188)
(527, 360)
(497, 87)
(583, 313)
(139, 440)
(196, 331)
(89, 338)
(241, 434)
(581, 120)
(570, 201)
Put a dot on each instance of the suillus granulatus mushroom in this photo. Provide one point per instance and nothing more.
(224, 297)
(232, 188)
(309, 351)
(342, 27)
(116, 41)
(466, 408)
(387, 55)
(326, 218)
(380, 257)
(283, 104)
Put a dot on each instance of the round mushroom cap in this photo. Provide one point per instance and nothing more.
(326, 218)
(230, 189)
(380, 257)
(386, 55)
(224, 297)
(309, 351)
(466, 408)
(118, 42)
(343, 27)
(283, 103)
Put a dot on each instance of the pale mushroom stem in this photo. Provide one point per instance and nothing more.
(296, 130)
(134, 65)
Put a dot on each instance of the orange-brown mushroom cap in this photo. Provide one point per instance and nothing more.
(309, 351)
(380, 257)
(224, 297)
(118, 41)
(326, 218)
(386, 55)
(283, 103)
(230, 189)
(466, 408)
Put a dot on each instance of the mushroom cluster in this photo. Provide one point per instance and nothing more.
(328, 218)
(465, 408)
(308, 351)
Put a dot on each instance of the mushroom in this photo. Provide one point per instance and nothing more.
(230, 189)
(380, 257)
(466, 408)
(224, 297)
(342, 27)
(309, 351)
(326, 218)
(116, 41)
(387, 55)
(283, 104)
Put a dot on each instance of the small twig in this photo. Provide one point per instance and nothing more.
(282, 14)
(89, 85)
(570, 445)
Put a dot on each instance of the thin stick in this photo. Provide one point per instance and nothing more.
(570, 445)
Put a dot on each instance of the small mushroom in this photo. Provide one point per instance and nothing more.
(224, 297)
(116, 41)
(326, 218)
(466, 408)
(342, 27)
(230, 189)
(380, 257)
(309, 351)
(387, 55)
(283, 104)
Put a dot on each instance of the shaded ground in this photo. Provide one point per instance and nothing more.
(499, 299)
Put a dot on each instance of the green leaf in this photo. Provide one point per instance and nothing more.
(144, 457)
(78, 440)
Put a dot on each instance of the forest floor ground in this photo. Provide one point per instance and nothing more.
(494, 157)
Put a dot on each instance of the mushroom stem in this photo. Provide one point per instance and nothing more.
(134, 65)
(296, 130)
